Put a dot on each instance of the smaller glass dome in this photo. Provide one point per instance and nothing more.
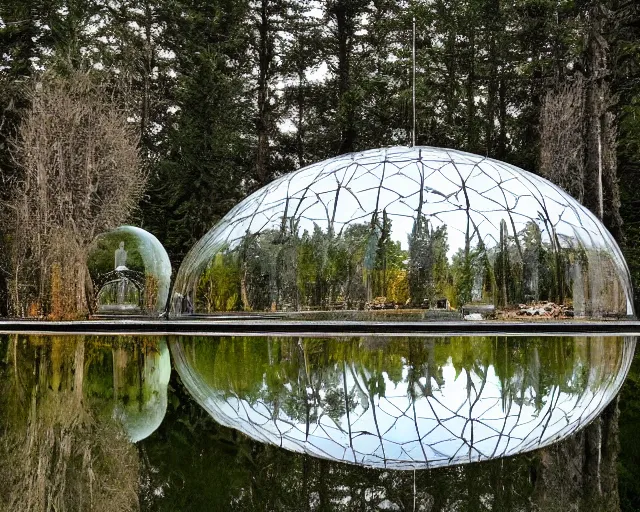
(418, 233)
(130, 271)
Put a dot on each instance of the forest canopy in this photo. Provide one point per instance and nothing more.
(222, 96)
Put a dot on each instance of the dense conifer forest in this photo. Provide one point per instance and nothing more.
(194, 104)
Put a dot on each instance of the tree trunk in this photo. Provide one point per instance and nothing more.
(471, 103)
(263, 121)
(346, 110)
(148, 65)
(501, 147)
(602, 194)
(491, 98)
(300, 130)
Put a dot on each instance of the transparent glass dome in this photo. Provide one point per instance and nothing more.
(404, 403)
(130, 271)
(408, 232)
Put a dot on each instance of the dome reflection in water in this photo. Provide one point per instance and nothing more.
(140, 379)
(404, 403)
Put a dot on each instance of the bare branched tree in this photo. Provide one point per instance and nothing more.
(562, 148)
(578, 140)
(80, 176)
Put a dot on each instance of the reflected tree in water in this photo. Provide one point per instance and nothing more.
(71, 406)
(61, 449)
(57, 451)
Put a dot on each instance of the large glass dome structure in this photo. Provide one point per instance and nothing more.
(407, 231)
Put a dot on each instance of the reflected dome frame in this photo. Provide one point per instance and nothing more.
(404, 403)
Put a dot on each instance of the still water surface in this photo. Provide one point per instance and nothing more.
(291, 423)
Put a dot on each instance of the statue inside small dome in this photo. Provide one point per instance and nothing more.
(121, 258)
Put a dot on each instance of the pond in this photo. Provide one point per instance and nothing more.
(318, 423)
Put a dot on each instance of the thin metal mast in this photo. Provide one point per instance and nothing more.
(413, 133)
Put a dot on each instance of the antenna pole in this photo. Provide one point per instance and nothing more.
(413, 133)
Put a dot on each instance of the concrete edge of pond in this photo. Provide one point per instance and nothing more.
(245, 327)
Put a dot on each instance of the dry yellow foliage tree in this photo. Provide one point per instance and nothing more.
(80, 176)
